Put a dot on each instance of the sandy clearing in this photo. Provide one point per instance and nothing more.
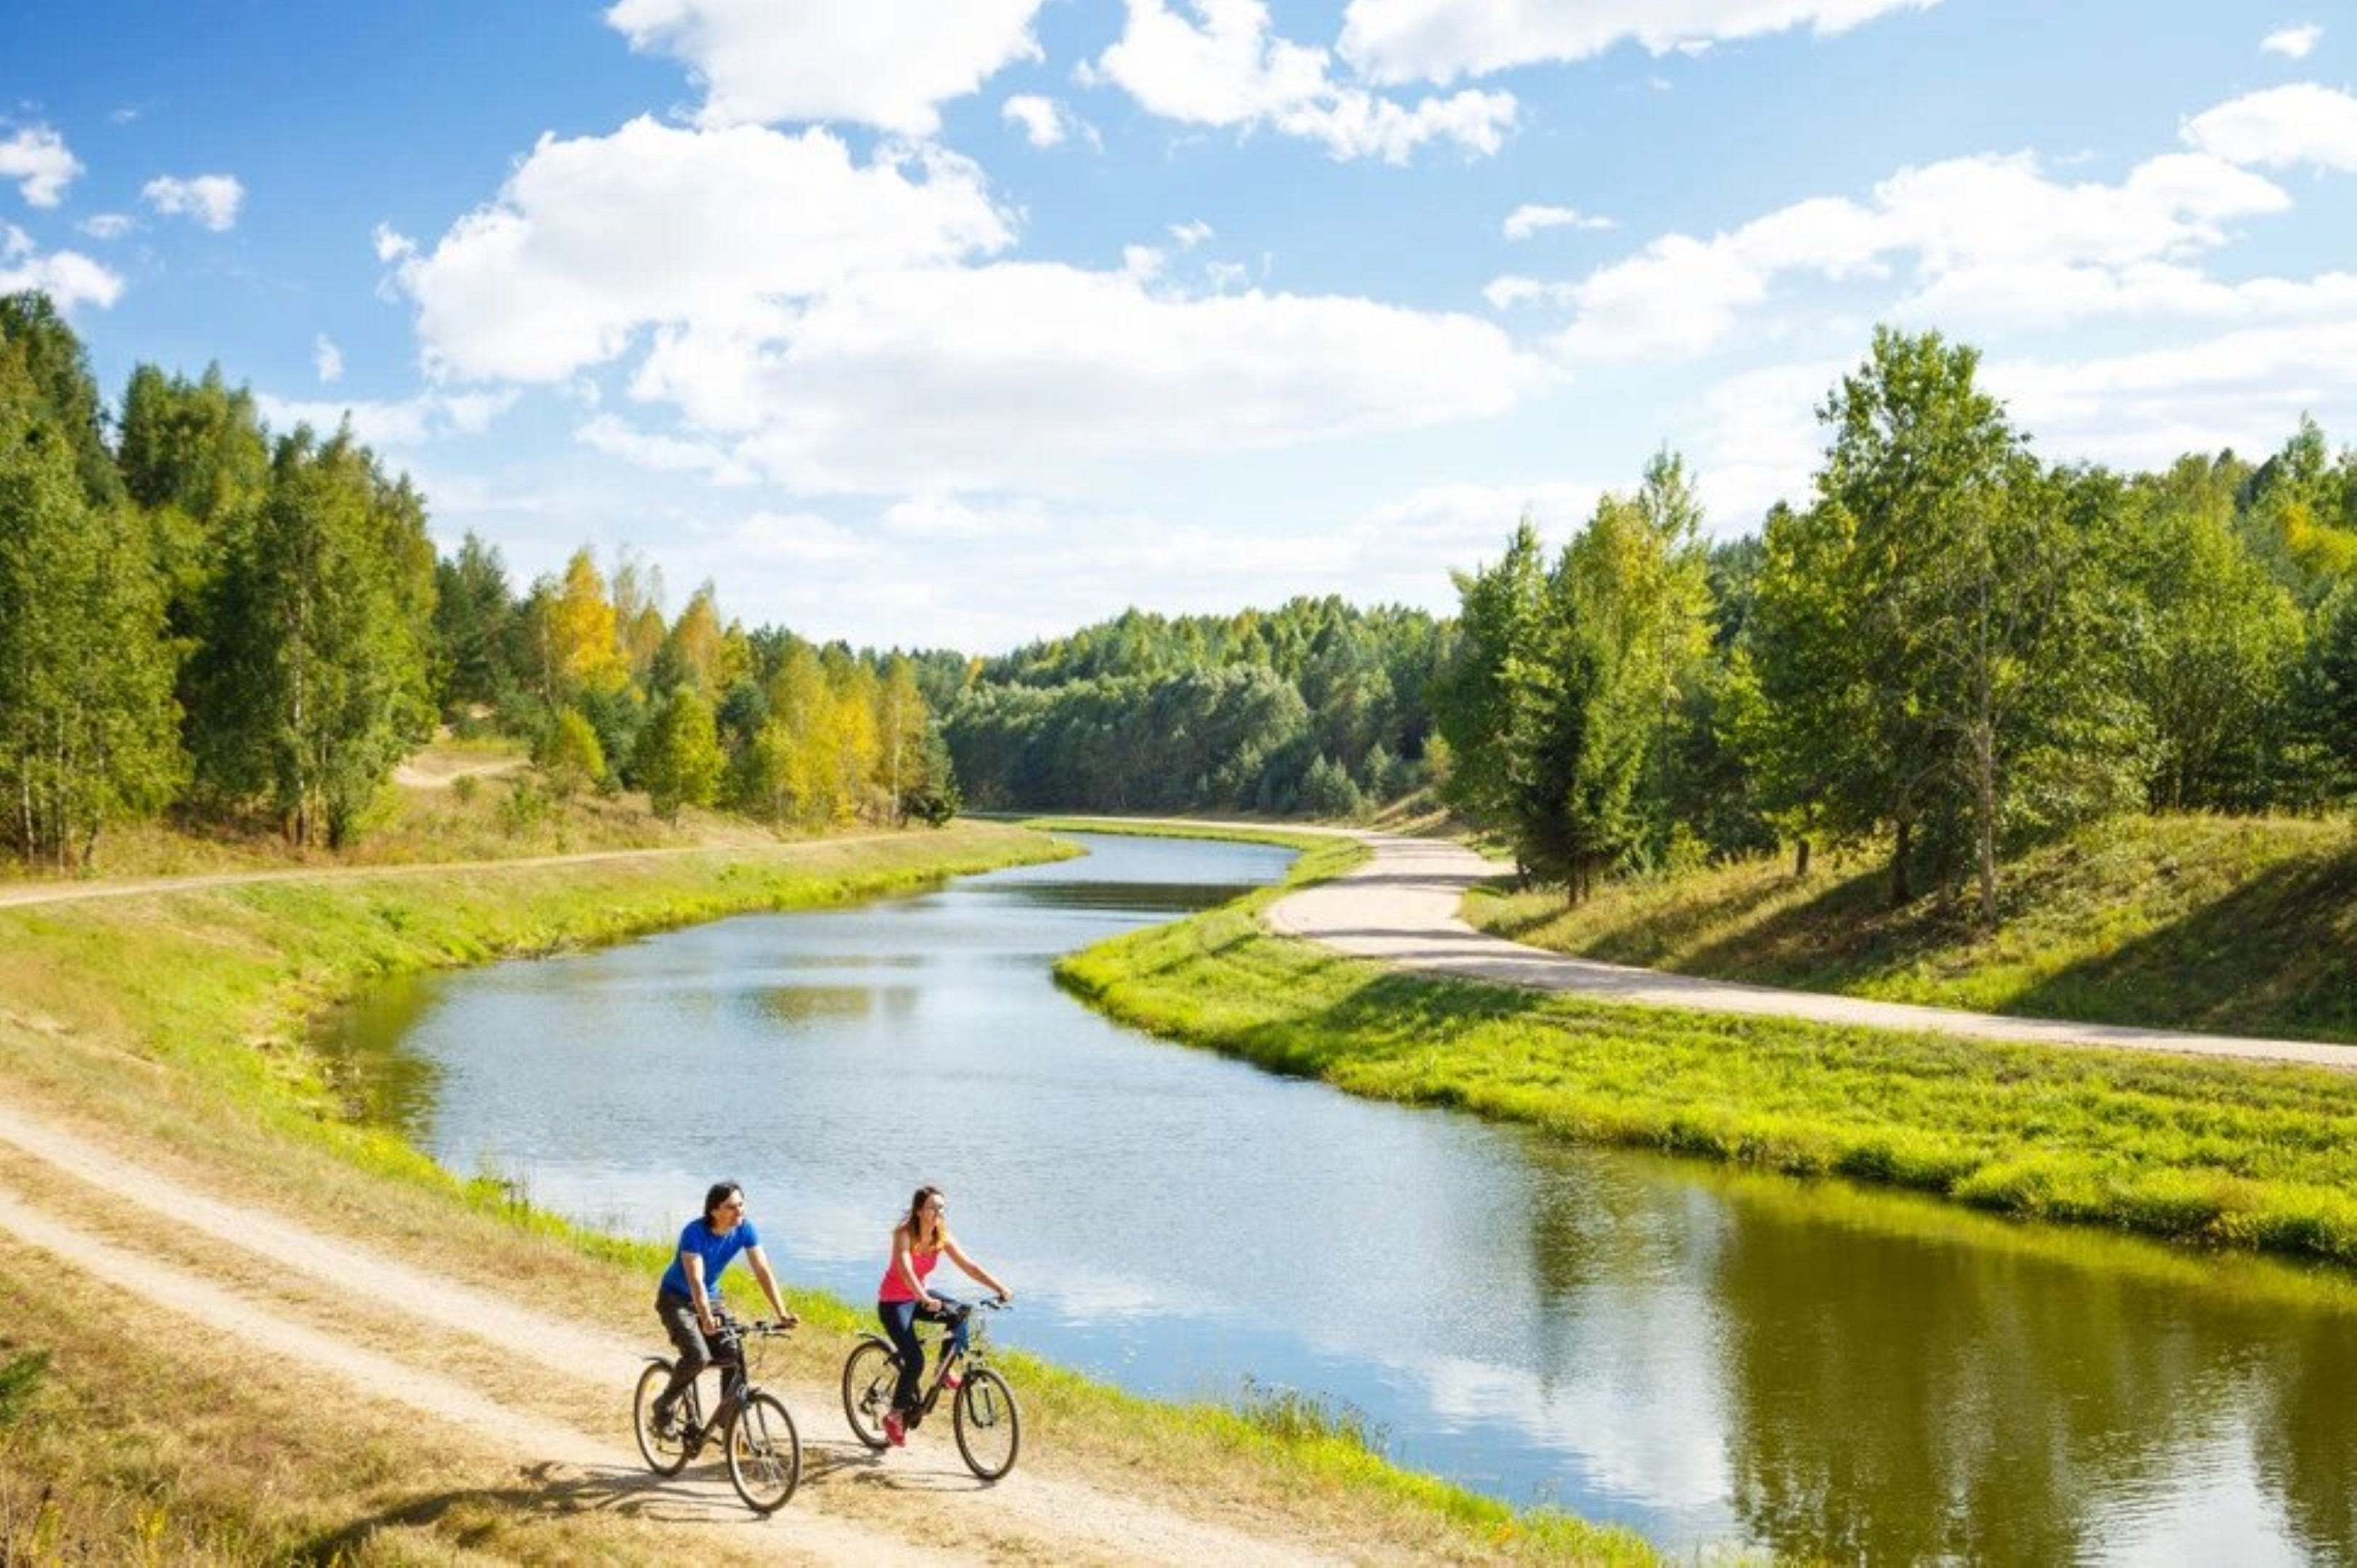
(1039, 1515)
(1400, 907)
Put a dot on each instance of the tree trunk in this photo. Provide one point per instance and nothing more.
(1900, 891)
(1801, 860)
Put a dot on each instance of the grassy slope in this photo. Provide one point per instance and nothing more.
(2215, 1152)
(174, 1023)
(2236, 926)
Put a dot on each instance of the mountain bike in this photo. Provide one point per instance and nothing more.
(756, 1433)
(982, 1410)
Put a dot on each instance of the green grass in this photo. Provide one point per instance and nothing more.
(2229, 925)
(2218, 1153)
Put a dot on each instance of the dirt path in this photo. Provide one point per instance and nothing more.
(1401, 907)
(852, 1508)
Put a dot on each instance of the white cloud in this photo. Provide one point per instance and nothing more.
(889, 63)
(36, 158)
(68, 277)
(1192, 234)
(1231, 72)
(700, 234)
(1531, 219)
(2302, 124)
(212, 199)
(327, 359)
(668, 454)
(1438, 40)
(2293, 43)
(407, 422)
(1989, 236)
(1043, 121)
(390, 244)
(107, 225)
(1050, 380)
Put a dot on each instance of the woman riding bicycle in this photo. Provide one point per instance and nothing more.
(688, 1300)
(921, 1241)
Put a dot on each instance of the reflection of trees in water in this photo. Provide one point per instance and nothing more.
(799, 1006)
(1896, 1398)
(2305, 1430)
(378, 1078)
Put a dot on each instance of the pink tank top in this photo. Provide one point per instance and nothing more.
(897, 1288)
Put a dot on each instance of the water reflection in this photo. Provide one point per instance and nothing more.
(1708, 1357)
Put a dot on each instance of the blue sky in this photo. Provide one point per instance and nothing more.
(961, 322)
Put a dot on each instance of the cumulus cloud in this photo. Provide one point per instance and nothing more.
(1990, 237)
(107, 225)
(2281, 128)
(68, 277)
(1041, 119)
(838, 327)
(1226, 69)
(1531, 219)
(1190, 235)
(703, 234)
(212, 199)
(889, 63)
(2293, 43)
(1049, 380)
(327, 359)
(1392, 41)
(36, 158)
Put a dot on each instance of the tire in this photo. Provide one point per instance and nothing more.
(664, 1455)
(989, 1426)
(765, 1454)
(869, 1374)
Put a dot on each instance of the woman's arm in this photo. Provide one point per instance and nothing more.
(974, 1271)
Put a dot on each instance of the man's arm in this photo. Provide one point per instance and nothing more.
(691, 1264)
(760, 1262)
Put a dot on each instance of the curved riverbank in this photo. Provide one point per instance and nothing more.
(2220, 1153)
(164, 1029)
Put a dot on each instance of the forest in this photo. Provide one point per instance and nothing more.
(1948, 649)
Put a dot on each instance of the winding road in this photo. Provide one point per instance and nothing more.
(1400, 907)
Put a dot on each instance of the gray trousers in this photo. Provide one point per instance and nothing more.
(678, 1315)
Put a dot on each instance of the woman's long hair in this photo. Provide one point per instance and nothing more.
(916, 1220)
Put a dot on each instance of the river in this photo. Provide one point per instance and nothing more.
(1710, 1358)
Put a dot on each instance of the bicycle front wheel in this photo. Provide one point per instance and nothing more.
(870, 1375)
(665, 1453)
(989, 1426)
(765, 1454)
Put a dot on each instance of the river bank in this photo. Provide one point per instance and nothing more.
(170, 1027)
(2217, 1153)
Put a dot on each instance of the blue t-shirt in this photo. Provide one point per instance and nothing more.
(716, 1248)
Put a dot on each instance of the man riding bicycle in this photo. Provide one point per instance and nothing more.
(688, 1299)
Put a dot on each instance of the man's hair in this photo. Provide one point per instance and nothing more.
(720, 1193)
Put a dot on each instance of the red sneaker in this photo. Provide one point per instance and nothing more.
(952, 1381)
(895, 1432)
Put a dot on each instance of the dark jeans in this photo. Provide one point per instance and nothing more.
(696, 1352)
(899, 1319)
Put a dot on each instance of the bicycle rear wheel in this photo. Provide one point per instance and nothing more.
(989, 1426)
(765, 1454)
(665, 1453)
(870, 1375)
